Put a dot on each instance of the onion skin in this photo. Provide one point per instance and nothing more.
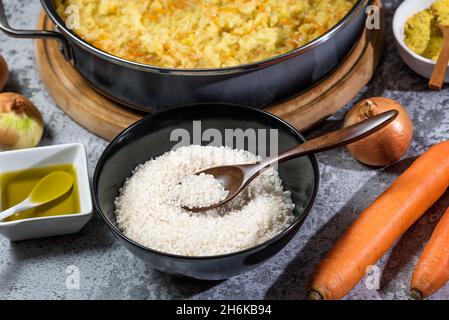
(21, 123)
(387, 145)
(4, 73)
(8, 138)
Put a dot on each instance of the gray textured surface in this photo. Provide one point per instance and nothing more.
(37, 269)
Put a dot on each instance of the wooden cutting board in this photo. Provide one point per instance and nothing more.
(106, 118)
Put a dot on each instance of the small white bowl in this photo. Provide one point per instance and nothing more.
(32, 228)
(417, 63)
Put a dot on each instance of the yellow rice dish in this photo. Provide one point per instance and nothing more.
(200, 33)
(422, 31)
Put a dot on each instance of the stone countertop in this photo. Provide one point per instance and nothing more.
(37, 269)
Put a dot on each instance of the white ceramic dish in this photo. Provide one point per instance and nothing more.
(55, 225)
(420, 65)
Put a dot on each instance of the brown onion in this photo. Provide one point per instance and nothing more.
(387, 145)
(4, 73)
(21, 124)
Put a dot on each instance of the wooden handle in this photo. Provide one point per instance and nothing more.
(339, 138)
(439, 72)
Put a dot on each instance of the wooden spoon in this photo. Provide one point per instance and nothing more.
(235, 178)
(439, 72)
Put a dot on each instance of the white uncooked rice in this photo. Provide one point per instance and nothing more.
(149, 210)
(200, 191)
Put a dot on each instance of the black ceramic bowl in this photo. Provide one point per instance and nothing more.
(151, 137)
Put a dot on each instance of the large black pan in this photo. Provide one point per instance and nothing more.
(257, 84)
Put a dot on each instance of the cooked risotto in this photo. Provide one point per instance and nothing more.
(200, 33)
(149, 208)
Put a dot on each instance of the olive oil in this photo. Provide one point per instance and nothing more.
(52, 187)
(16, 186)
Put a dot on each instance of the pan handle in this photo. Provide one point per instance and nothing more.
(34, 34)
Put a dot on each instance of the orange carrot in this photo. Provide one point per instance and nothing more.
(381, 224)
(432, 271)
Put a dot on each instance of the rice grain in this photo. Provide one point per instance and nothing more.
(149, 208)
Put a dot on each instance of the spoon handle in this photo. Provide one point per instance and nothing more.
(25, 205)
(439, 71)
(8, 212)
(337, 138)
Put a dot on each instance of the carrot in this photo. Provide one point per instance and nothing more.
(432, 271)
(381, 224)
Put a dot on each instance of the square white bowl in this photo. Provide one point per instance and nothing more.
(417, 63)
(33, 228)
